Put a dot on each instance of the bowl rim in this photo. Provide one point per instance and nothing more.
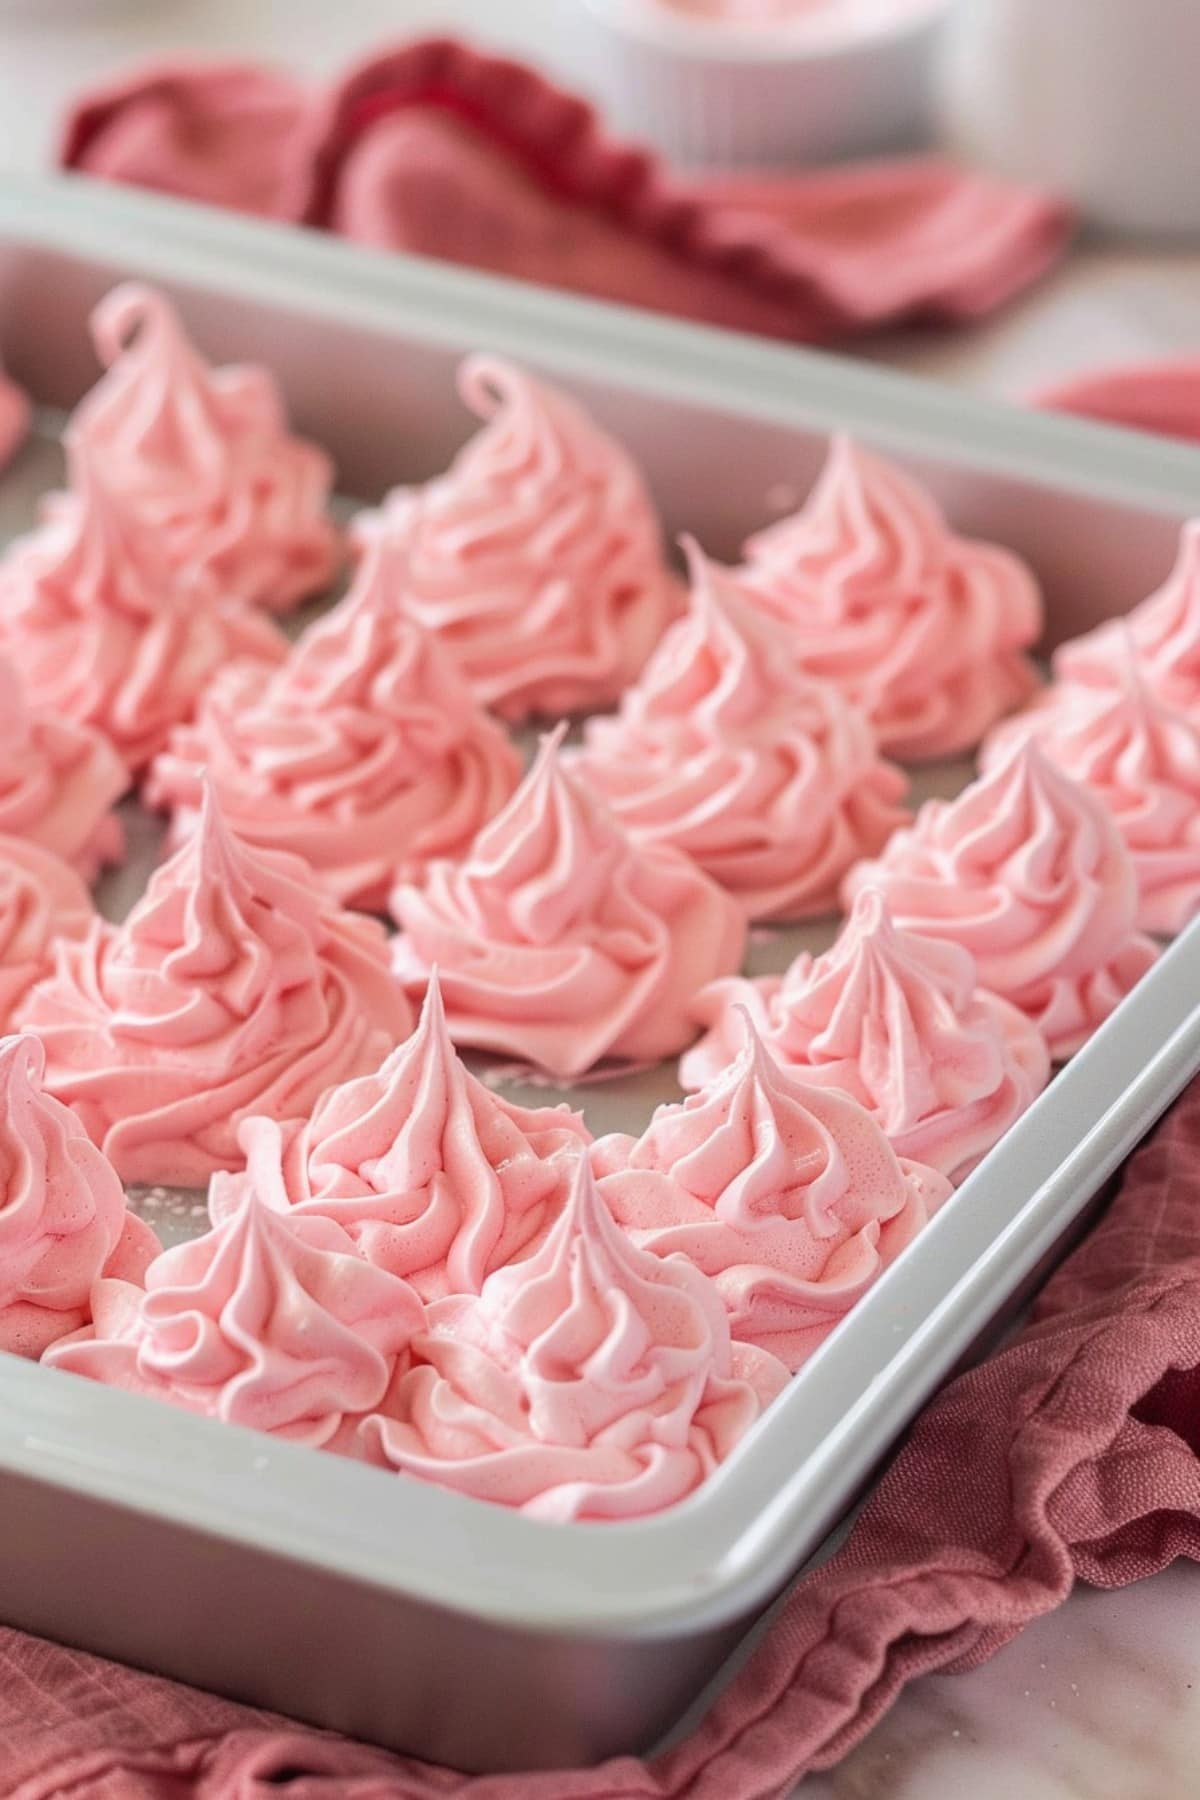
(805, 42)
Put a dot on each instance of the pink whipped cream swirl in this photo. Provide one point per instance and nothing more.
(434, 1177)
(787, 1196)
(537, 558)
(728, 750)
(559, 941)
(63, 1221)
(43, 901)
(592, 1382)
(1162, 636)
(364, 752)
(925, 630)
(235, 986)
(1026, 870)
(103, 633)
(898, 1022)
(1143, 760)
(205, 458)
(58, 781)
(268, 1320)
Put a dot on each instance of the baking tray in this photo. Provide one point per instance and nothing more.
(400, 1612)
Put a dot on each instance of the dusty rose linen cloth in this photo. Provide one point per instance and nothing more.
(1081, 1439)
(439, 148)
(1161, 397)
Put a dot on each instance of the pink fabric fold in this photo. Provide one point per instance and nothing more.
(446, 151)
(1081, 1438)
(1160, 397)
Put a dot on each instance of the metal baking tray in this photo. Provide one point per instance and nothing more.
(403, 1613)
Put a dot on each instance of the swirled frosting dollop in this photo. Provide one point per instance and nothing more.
(1027, 870)
(728, 750)
(103, 632)
(435, 1177)
(205, 457)
(63, 1221)
(1162, 636)
(537, 558)
(58, 781)
(592, 1382)
(235, 986)
(561, 942)
(925, 630)
(1143, 759)
(788, 1196)
(898, 1022)
(268, 1320)
(364, 752)
(43, 901)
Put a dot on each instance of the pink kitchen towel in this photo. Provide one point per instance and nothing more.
(1082, 1439)
(444, 150)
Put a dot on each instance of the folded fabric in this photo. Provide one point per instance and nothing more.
(449, 152)
(1081, 1441)
(1161, 397)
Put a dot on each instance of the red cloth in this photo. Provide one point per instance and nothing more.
(1161, 397)
(440, 149)
(1081, 1440)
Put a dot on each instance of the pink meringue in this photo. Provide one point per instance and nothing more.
(923, 629)
(205, 458)
(43, 901)
(58, 782)
(268, 1320)
(1027, 870)
(896, 1021)
(787, 1196)
(234, 987)
(434, 1177)
(364, 752)
(1144, 761)
(537, 558)
(1162, 636)
(559, 941)
(103, 632)
(591, 1382)
(63, 1221)
(728, 750)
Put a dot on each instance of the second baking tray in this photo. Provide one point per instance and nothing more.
(405, 1613)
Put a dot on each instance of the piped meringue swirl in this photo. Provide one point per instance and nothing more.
(537, 557)
(58, 782)
(236, 986)
(205, 457)
(1027, 870)
(592, 1382)
(788, 1196)
(1162, 636)
(898, 1022)
(268, 1320)
(559, 941)
(364, 752)
(43, 902)
(925, 630)
(728, 750)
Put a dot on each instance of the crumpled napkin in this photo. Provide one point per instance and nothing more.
(1081, 1439)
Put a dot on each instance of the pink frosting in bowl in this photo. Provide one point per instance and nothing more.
(236, 986)
(592, 1382)
(58, 781)
(727, 749)
(926, 630)
(897, 1021)
(1027, 870)
(537, 558)
(434, 1177)
(43, 902)
(268, 1321)
(1162, 636)
(205, 458)
(788, 1196)
(101, 629)
(63, 1222)
(559, 941)
(364, 752)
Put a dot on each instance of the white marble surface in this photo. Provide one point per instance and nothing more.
(1100, 1701)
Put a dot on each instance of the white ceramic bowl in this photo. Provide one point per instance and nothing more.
(853, 78)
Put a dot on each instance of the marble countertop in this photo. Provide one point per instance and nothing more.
(1101, 1700)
